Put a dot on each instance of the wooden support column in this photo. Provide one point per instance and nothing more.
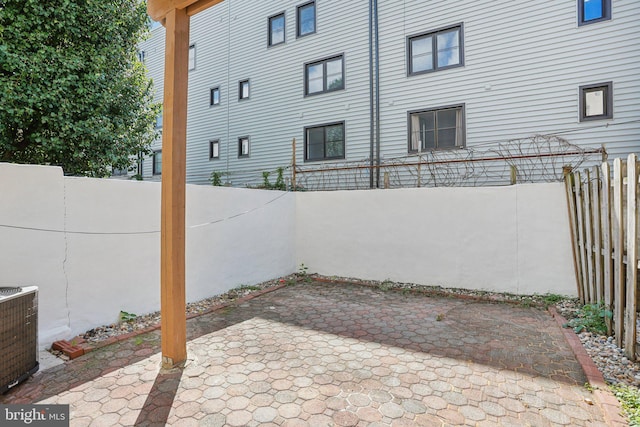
(174, 137)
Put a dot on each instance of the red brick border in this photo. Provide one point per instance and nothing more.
(87, 346)
(603, 395)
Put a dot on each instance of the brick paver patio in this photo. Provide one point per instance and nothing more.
(344, 355)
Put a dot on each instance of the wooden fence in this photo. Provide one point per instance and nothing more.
(603, 210)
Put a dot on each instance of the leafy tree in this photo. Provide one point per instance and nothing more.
(72, 90)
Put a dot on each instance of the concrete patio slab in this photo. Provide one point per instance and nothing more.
(343, 355)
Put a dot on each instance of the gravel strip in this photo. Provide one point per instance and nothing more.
(609, 358)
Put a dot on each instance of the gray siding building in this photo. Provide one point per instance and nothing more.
(389, 83)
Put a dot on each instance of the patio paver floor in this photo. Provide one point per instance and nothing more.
(343, 355)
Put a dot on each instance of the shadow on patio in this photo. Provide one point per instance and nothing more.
(325, 354)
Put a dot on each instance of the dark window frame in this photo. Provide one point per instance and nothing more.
(213, 142)
(325, 125)
(606, 13)
(154, 167)
(240, 83)
(192, 46)
(299, 22)
(211, 96)
(608, 102)
(434, 50)
(240, 154)
(270, 33)
(324, 77)
(463, 130)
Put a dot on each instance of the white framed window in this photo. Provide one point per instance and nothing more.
(436, 129)
(276, 29)
(435, 50)
(324, 142)
(243, 146)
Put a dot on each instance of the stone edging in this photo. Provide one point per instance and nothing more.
(604, 397)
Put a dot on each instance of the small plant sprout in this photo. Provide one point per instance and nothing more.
(126, 317)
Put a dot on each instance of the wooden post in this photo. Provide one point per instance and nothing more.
(617, 227)
(597, 233)
(172, 253)
(632, 257)
(588, 243)
(513, 174)
(571, 205)
(387, 183)
(577, 187)
(605, 216)
(293, 166)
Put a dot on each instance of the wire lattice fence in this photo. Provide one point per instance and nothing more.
(539, 158)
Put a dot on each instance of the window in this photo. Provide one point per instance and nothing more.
(157, 162)
(141, 56)
(243, 89)
(306, 19)
(192, 57)
(324, 76)
(590, 11)
(324, 142)
(214, 96)
(158, 124)
(243, 146)
(214, 149)
(276, 29)
(436, 129)
(596, 101)
(436, 50)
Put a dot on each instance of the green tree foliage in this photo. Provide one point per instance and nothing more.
(72, 90)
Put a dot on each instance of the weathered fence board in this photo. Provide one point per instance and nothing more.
(603, 207)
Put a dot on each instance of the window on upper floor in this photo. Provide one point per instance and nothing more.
(306, 19)
(596, 101)
(157, 162)
(214, 149)
(436, 129)
(243, 89)
(192, 57)
(324, 142)
(436, 50)
(214, 96)
(158, 123)
(590, 11)
(322, 76)
(243, 146)
(141, 56)
(276, 29)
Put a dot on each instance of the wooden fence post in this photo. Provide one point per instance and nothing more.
(597, 233)
(571, 204)
(632, 257)
(588, 244)
(577, 186)
(618, 248)
(605, 216)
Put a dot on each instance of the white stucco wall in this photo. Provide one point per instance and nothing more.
(509, 239)
(85, 278)
(33, 197)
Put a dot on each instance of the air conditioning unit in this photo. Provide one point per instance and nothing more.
(18, 335)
